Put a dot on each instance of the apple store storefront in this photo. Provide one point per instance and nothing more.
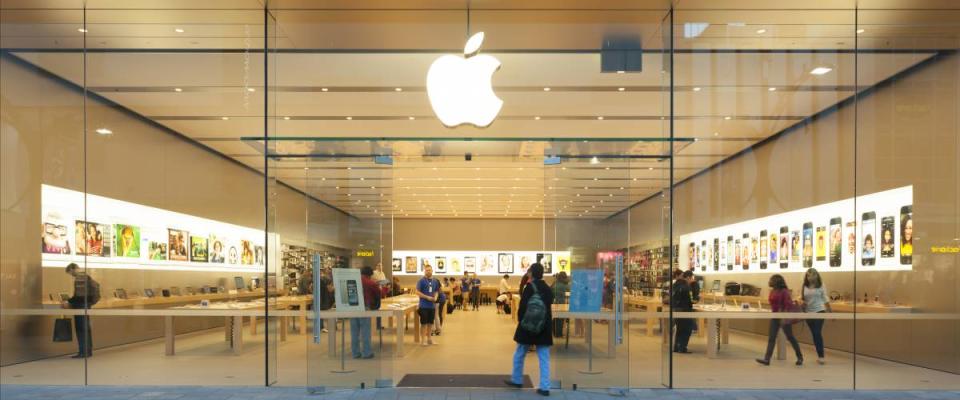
(351, 194)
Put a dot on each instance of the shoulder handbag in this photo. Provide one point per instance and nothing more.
(792, 307)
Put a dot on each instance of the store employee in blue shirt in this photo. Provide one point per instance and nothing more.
(428, 290)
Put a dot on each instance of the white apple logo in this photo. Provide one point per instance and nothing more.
(459, 88)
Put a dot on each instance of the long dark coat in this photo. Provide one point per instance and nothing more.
(545, 337)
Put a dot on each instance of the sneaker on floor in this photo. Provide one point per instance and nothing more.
(542, 392)
(324, 330)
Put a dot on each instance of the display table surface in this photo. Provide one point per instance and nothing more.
(395, 309)
(143, 302)
(845, 307)
(650, 304)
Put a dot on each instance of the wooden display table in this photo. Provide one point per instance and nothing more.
(842, 307)
(145, 302)
(233, 313)
(394, 309)
(650, 304)
(562, 311)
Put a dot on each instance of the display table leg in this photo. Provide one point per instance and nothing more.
(725, 331)
(712, 344)
(227, 326)
(612, 338)
(400, 332)
(237, 335)
(650, 323)
(331, 325)
(588, 335)
(283, 328)
(702, 323)
(302, 329)
(169, 334)
(253, 325)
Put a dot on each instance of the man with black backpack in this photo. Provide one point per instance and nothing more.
(86, 293)
(534, 329)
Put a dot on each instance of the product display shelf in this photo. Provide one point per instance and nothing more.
(646, 269)
(159, 301)
(836, 306)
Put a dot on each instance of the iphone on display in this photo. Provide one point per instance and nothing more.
(763, 249)
(808, 245)
(716, 254)
(850, 233)
(886, 237)
(745, 251)
(352, 297)
(723, 255)
(737, 255)
(836, 242)
(868, 252)
(784, 247)
(730, 253)
(774, 246)
(821, 245)
(754, 249)
(906, 235)
(795, 246)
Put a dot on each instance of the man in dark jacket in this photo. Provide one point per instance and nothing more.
(86, 293)
(542, 339)
(360, 327)
(681, 301)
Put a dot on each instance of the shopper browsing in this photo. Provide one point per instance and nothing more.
(465, 286)
(360, 327)
(561, 285)
(815, 300)
(780, 301)
(86, 293)
(428, 290)
(503, 292)
(534, 329)
(441, 307)
(682, 301)
(327, 298)
(475, 291)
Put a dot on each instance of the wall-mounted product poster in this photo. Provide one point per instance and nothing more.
(480, 262)
(100, 232)
(873, 232)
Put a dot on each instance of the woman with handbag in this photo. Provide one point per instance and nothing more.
(781, 301)
(815, 300)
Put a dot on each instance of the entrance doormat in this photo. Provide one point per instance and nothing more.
(458, 381)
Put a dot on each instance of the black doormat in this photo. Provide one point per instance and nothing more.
(458, 381)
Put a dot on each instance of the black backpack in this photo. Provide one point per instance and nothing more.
(535, 317)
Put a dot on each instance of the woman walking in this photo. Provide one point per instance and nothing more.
(780, 301)
(815, 300)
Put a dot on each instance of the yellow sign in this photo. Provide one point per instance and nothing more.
(945, 249)
(364, 253)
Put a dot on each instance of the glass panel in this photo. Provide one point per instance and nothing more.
(766, 94)
(41, 143)
(907, 150)
(179, 248)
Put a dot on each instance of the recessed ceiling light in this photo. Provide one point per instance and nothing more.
(338, 187)
(306, 168)
(224, 118)
(772, 89)
(324, 89)
(649, 168)
(362, 178)
(250, 89)
(697, 89)
(104, 131)
(178, 30)
(600, 118)
(861, 30)
(81, 30)
(761, 31)
(820, 70)
(398, 89)
(537, 118)
(621, 89)
(727, 118)
(349, 194)
(411, 118)
(349, 168)
(546, 89)
(177, 89)
(323, 178)
(716, 134)
(594, 160)
(349, 118)
(286, 118)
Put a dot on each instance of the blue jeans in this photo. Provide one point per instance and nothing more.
(543, 354)
(360, 330)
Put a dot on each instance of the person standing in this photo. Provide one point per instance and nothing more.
(681, 300)
(561, 285)
(534, 329)
(780, 301)
(475, 291)
(504, 289)
(326, 294)
(360, 327)
(815, 300)
(465, 287)
(86, 293)
(428, 290)
(441, 307)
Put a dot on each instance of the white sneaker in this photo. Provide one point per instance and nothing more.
(324, 330)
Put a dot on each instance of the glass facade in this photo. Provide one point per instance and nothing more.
(217, 172)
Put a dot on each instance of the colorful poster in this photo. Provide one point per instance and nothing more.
(233, 255)
(93, 239)
(177, 241)
(470, 264)
(259, 255)
(525, 260)
(217, 253)
(198, 249)
(156, 251)
(424, 263)
(563, 264)
(53, 239)
(821, 243)
(411, 263)
(128, 240)
(441, 266)
(487, 266)
(396, 265)
(505, 263)
(546, 260)
(586, 290)
(246, 252)
(455, 266)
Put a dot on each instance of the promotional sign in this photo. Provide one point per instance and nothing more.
(873, 232)
(494, 262)
(586, 290)
(348, 289)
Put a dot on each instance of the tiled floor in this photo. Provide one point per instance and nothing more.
(19, 392)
